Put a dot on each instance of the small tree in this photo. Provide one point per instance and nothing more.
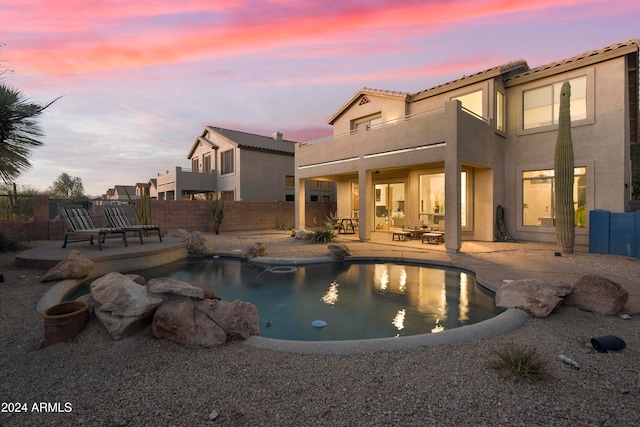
(217, 213)
(67, 187)
(563, 168)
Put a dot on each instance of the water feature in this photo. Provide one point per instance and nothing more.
(353, 300)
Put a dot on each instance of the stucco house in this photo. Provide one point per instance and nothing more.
(458, 151)
(237, 165)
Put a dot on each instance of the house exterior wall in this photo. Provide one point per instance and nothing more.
(600, 143)
(264, 175)
(436, 135)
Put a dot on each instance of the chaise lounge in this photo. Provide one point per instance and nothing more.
(79, 222)
(117, 218)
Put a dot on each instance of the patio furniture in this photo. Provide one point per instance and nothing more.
(400, 235)
(431, 237)
(79, 222)
(117, 218)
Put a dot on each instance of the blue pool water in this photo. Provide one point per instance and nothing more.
(354, 300)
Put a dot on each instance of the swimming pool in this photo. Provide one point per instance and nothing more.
(356, 300)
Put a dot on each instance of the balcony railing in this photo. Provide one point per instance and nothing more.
(390, 123)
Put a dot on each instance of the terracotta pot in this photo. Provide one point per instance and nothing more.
(63, 322)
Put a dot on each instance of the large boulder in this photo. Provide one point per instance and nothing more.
(204, 323)
(338, 252)
(164, 285)
(198, 243)
(75, 266)
(178, 320)
(121, 305)
(239, 319)
(252, 251)
(598, 294)
(537, 297)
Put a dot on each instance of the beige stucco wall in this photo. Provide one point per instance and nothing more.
(263, 175)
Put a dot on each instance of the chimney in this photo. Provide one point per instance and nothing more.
(277, 135)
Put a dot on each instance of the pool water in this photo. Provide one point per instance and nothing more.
(355, 300)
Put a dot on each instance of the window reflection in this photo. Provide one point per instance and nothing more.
(331, 297)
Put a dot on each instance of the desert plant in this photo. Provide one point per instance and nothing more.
(217, 213)
(9, 243)
(324, 232)
(519, 363)
(563, 168)
(143, 213)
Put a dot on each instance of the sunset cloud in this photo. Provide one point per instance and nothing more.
(141, 78)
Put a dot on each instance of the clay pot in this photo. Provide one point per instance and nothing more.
(63, 322)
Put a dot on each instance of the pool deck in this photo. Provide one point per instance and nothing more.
(492, 262)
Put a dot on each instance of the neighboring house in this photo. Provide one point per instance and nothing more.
(237, 165)
(118, 195)
(458, 151)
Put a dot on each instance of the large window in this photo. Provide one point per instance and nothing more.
(432, 198)
(472, 102)
(226, 162)
(195, 165)
(538, 187)
(206, 163)
(541, 106)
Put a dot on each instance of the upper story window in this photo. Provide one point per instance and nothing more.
(206, 163)
(472, 102)
(366, 123)
(195, 165)
(500, 111)
(226, 162)
(541, 106)
(289, 181)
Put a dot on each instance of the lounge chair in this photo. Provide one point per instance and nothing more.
(79, 222)
(118, 219)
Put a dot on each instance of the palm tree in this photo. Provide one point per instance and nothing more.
(19, 131)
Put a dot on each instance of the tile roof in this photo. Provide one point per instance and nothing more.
(258, 142)
(592, 56)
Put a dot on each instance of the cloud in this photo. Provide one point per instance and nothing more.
(79, 36)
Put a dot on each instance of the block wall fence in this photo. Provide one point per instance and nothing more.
(172, 214)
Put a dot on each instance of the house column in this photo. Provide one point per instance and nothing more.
(299, 212)
(452, 189)
(365, 204)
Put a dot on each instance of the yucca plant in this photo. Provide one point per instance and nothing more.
(519, 363)
(323, 233)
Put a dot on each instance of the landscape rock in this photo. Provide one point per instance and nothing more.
(598, 294)
(204, 323)
(302, 234)
(252, 251)
(75, 266)
(239, 319)
(338, 252)
(198, 243)
(164, 285)
(537, 297)
(121, 305)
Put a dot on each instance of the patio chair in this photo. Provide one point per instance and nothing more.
(118, 218)
(79, 222)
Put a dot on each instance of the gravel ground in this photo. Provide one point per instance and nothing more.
(142, 381)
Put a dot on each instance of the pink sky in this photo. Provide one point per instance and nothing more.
(140, 79)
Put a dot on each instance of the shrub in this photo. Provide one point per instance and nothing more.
(519, 363)
(323, 233)
(9, 243)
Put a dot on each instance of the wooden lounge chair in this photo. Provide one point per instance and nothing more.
(118, 219)
(79, 222)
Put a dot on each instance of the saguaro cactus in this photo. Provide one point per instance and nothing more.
(563, 167)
